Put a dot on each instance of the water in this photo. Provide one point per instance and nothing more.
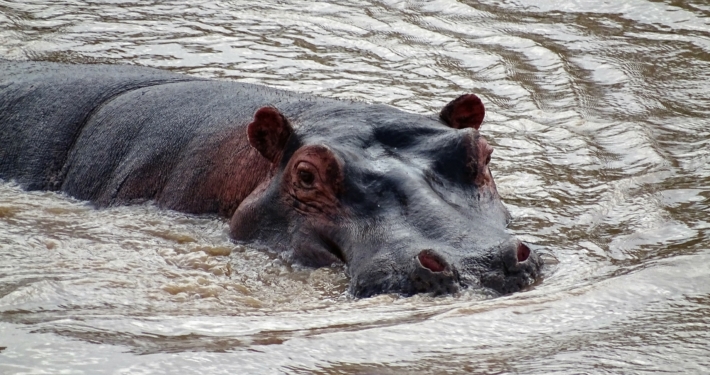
(598, 114)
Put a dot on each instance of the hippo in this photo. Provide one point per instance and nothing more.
(406, 202)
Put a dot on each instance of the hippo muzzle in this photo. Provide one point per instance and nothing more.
(506, 267)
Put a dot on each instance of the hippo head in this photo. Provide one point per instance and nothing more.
(407, 202)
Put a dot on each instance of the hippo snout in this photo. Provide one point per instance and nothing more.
(508, 268)
(504, 268)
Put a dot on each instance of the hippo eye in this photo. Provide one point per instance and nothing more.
(306, 175)
(306, 178)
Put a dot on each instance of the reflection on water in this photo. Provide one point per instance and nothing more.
(598, 114)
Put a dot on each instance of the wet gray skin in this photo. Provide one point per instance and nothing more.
(417, 209)
(406, 201)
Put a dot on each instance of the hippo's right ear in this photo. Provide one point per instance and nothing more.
(466, 111)
(269, 132)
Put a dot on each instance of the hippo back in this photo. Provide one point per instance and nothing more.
(43, 110)
(122, 134)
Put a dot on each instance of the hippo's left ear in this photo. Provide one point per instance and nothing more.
(466, 111)
(269, 132)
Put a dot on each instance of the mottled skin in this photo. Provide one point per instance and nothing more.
(406, 201)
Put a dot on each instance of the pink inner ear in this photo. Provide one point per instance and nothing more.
(269, 132)
(466, 111)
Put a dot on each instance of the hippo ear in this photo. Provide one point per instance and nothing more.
(466, 111)
(269, 132)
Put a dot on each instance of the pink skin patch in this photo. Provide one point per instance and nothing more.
(430, 261)
(523, 252)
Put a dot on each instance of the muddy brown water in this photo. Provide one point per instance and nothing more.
(598, 111)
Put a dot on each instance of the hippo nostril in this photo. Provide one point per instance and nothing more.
(432, 274)
(431, 261)
(523, 252)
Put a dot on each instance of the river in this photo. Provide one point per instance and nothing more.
(598, 112)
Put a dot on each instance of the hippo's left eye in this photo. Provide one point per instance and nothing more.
(306, 174)
(307, 178)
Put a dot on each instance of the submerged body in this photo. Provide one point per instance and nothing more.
(406, 201)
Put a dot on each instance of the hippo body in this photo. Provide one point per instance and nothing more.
(406, 201)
